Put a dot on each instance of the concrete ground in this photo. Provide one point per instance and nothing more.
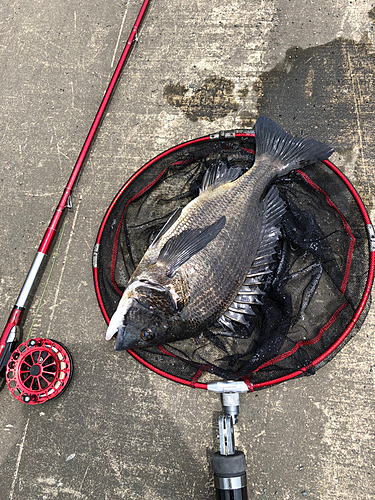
(121, 431)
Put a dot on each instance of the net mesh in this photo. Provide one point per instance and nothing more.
(317, 282)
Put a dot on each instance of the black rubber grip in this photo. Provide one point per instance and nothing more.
(229, 465)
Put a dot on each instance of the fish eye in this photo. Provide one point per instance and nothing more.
(147, 334)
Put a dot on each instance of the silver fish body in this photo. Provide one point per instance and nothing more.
(191, 275)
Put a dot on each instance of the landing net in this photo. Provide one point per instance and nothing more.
(316, 297)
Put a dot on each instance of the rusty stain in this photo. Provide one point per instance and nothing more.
(214, 99)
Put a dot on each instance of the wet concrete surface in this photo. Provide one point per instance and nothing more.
(121, 431)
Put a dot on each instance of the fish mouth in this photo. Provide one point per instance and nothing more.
(117, 320)
(127, 338)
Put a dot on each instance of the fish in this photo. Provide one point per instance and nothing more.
(207, 264)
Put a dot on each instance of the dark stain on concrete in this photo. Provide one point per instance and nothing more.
(243, 92)
(325, 93)
(371, 14)
(214, 99)
(248, 119)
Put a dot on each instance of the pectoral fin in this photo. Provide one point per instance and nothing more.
(178, 249)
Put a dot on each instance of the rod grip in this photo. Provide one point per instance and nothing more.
(8, 338)
(230, 476)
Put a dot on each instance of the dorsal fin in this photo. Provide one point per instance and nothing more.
(180, 248)
(218, 175)
(250, 293)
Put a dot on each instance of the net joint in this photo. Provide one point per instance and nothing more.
(228, 386)
(371, 237)
(230, 134)
(95, 255)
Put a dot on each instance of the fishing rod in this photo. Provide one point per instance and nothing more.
(36, 378)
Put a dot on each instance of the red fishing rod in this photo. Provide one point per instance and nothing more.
(40, 369)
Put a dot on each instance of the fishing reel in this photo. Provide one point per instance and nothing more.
(38, 370)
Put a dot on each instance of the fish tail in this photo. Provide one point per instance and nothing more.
(291, 152)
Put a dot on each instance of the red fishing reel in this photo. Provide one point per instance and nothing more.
(38, 370)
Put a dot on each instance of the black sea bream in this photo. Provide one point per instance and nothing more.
(202, 267)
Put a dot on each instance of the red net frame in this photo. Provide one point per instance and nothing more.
(321, 359)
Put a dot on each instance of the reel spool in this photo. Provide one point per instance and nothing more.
(38, 370)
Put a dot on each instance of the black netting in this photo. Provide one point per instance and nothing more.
(318, 280)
